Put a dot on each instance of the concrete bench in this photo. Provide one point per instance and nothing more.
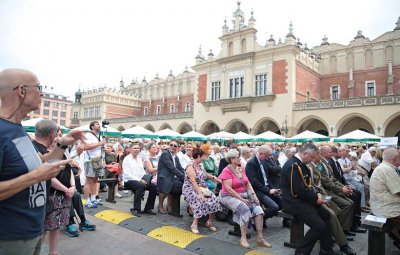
(376, 235)
(111, 183)
(296, 229)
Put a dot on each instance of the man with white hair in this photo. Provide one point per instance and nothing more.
(367, 161)
(283, 157)
(385, 192)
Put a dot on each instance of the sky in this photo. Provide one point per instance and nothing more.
(72, 44)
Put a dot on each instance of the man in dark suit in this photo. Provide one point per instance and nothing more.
(274, 169)
(169, 176)
(302, 200)
(257, 172)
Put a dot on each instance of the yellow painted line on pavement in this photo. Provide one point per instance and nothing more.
(113, 216)
(174, 235)
(257, 252)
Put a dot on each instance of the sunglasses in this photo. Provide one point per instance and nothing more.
(175, 145)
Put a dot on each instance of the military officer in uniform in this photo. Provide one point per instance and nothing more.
(302, 200)
(332, 208)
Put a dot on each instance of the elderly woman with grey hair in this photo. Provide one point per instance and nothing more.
(238, 195)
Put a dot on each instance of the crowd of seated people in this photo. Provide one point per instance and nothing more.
(249, 181)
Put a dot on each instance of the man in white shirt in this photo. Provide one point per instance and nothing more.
(133, 173)
(93, 146)
(367, 159)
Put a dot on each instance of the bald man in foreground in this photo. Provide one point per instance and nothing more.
(22, 173)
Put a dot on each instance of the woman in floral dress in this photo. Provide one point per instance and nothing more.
(201, 204)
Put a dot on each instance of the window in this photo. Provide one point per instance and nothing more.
(261, 85)
(54, 113)
(45, 112)
(146, 111)
(55, 105)
(46, 103)
(55, 120)
(63, 106)
(172, 108)
(187, 107)
(370, 88)
(62, 122)
(37, 111)
(86, 112)
(236, 87)
(158, 110)
(75, 115)
(335, 92)
(63, 114)
(97, 111)
(215, 90)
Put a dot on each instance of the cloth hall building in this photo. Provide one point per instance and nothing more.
(281, 86)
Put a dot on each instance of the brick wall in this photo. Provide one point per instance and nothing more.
(168, 101)
(113, 111)
(279, 83)
(360, 77)
(306, 81)
(202, 88)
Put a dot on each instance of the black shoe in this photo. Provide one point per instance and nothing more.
(149, 211)
(358, 230)
(348, 233)
(135, 213)
(349, 238)
(286, 223)
(347, 250)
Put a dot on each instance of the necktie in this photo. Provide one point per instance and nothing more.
(263, 173)
(339, 168)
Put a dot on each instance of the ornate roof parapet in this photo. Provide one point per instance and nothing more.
(290, 38)
(325, 41)
(200, 58)
(271, 41)
(225, 28)
(210, 55)
(359, 35)
(397, 24)
(252, 20)
(238, 15)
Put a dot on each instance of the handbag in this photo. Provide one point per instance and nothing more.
(250, 196)
(147, 178)
(97, 163)
(206, 192)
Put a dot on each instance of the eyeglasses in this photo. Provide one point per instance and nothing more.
(175, 145)
(38, 86)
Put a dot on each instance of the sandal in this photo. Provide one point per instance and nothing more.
(263, 243)
(243, 243)
(194, 229)
(211, 226)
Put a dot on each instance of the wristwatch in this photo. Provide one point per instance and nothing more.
(59, 145)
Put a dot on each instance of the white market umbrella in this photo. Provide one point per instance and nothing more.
(222, 135)
(269, 136)
(357, 136)
(308, 136)
(194, 136)
(29, 125)
(138, 132)
(168, 134)
(108, 131)
(243, 137)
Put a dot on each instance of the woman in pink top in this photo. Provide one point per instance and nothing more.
(238, 195)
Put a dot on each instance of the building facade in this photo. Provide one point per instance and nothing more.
(281, 86)
(53, 106)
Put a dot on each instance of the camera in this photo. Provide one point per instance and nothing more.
(104, 123)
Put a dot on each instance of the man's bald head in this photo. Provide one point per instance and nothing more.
(11, 78)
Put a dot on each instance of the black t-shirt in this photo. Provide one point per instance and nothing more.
(64, 176)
